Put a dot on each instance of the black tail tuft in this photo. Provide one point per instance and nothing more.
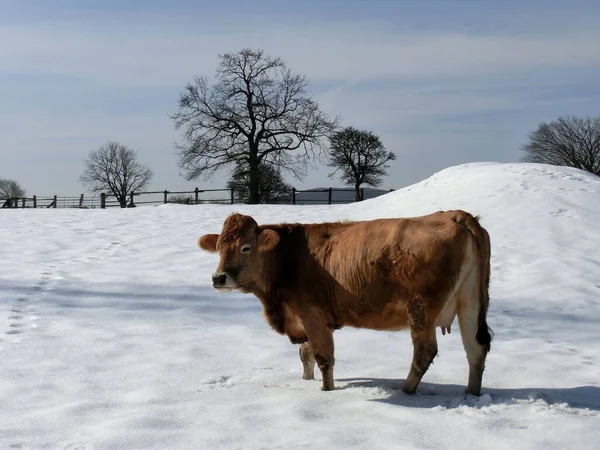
(484, 335)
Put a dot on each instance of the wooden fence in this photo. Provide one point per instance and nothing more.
(49, 202)
(197, 196)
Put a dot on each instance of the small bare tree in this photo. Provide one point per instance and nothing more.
(115, 169)
(10, 189)
(360, 156)
(272, 188)
(566, 141)
(256, 112)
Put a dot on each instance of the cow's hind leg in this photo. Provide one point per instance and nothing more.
(476, 353)
(424, 351)
(422, 331)
(308, 361)
(473, 302)
(473, 329)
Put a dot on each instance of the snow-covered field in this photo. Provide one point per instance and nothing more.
(111, 336)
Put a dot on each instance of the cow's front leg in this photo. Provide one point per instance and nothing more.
(294, 327)
(308, 361)
(321, 340)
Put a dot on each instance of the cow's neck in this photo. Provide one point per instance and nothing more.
(285, 268)
(279, 275)
(273, 306)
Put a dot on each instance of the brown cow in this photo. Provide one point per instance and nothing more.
(385, 274)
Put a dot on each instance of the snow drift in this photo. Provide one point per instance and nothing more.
(111, 336)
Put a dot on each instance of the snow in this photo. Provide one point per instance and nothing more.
(112, 337)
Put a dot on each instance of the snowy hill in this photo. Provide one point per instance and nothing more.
(111, 336)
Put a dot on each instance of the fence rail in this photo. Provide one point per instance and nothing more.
(195, 197)
(50, 202)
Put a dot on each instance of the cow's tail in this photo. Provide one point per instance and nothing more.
(482, 238)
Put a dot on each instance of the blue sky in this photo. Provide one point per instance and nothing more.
(441, 82)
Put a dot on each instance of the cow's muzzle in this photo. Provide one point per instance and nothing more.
(222, 282)
(219, 280)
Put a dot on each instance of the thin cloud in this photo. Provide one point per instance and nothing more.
(129, 54)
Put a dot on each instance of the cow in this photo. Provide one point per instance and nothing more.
(389, 274)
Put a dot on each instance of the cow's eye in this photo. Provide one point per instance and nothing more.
(245, 249)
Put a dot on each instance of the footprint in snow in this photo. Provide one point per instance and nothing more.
(218, 382)
(77, 446)
(21, 310)
(559, 212)
(15, 321)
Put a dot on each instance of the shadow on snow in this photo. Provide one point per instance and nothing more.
(431, 395)
(138, 297)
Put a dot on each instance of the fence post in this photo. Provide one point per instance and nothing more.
(293, 196)
(103, 200)
(81, 200)
(23, 202)
(362, 194)
(34, 201)
(232, 196)
(196, 196)
(55, 201)
(131, 205)
(330, 196)
(165, 192)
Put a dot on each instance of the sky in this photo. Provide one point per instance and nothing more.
(441, 82)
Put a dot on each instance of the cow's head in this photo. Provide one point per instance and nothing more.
(241, 246)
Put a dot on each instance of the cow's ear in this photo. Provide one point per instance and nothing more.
(267, 240)
(208, 242)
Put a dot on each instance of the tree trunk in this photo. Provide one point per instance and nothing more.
(357, 191)
(253, 177)
(122, 201)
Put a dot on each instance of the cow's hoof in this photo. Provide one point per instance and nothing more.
(474, 392)
(409, 390)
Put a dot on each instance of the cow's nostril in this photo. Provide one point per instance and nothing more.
(219, 280)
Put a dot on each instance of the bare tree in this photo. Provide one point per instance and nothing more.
(256, 112)
(566, 141)
(360, 156)
(272, 188)
(10, 189)
(115, 169)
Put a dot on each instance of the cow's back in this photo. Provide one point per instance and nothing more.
(377, 266)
